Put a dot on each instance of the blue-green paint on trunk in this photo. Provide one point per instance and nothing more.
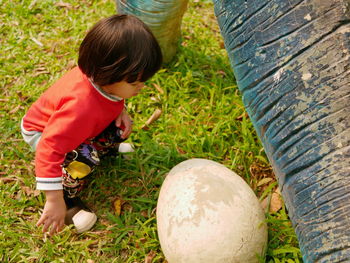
(163, 17)
(291, 60)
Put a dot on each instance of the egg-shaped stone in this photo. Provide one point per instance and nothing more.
(208, 214)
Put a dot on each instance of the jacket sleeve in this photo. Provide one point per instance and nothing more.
(66, 129)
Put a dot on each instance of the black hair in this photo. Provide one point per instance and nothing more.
(117, 48)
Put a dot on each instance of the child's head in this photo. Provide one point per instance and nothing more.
(119, 48)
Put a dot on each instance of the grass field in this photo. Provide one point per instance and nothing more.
(202, 117)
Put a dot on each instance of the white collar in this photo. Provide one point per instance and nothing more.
(105, 94)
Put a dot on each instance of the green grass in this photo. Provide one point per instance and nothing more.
(202, 117)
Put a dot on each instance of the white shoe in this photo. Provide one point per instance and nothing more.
(79, 215)
(84, 220)
(125, 148)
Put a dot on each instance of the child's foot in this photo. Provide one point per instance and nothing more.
(79, 215)
(125, 148)
(114, 149)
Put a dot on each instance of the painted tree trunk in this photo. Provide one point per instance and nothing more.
(163, 17)
(291, 62)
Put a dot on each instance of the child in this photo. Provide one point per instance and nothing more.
(76, 120)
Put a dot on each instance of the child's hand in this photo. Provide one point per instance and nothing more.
(54, 212)
(124, 119)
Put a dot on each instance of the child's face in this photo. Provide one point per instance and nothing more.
(124, 89)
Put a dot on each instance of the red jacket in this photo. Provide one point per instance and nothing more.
(68, 113)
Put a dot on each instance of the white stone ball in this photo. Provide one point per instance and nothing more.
(208, 214)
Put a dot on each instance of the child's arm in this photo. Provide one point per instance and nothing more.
(54, 212)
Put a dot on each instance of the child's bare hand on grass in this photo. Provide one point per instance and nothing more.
(54, 212)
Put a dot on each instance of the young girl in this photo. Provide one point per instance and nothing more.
(79, 118)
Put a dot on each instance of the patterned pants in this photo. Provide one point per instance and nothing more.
(79, 163)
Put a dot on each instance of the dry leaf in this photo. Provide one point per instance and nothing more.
(90, 261)
(40, 69)
(29, 191)
(104, 222)
(53, 47)
(8, 179)
(180, 151)
(21, 97)
(14, 110)
(32, 4)
(240, 118)
(127, 207)
(64, 5)
(276, 202)
(144, 213)
(41, 73)
(143, 240)
(62, 55)
(117, 205)
(124, 253)
(159, 89)
(37, 42)
(264, 203)
(264, 181)
(31, 209)
(184, 44)
(155, 116)
(149, 258)
(153, 99)
(221, 72)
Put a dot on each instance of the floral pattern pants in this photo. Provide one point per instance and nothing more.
(79, 163)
